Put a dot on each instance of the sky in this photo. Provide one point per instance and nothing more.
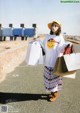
(41, 12)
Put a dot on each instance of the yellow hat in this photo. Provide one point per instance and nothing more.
(50, 24)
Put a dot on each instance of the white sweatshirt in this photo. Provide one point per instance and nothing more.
(53, 45)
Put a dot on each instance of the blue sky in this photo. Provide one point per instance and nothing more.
(41, 12)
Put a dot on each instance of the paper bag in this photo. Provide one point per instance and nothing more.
(41, 58)
(60, 68)
(33, 53)
(72, 61)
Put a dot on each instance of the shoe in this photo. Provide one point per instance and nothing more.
(56, 94)
(54, 97)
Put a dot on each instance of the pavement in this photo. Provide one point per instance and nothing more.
(23, 92)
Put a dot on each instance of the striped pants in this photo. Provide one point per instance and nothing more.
(52, 82)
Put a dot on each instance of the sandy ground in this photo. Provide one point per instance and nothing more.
(12, 53)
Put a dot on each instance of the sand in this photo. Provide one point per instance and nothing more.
(12, 53)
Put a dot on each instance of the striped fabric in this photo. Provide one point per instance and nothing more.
(52, 82)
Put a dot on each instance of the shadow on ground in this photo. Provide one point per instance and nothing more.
(16, 97)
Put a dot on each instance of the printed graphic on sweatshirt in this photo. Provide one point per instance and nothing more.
(51, 43)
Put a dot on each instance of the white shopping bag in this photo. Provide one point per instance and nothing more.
(33, 53)
(41, 58)
(42, 53)
(72, 61)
